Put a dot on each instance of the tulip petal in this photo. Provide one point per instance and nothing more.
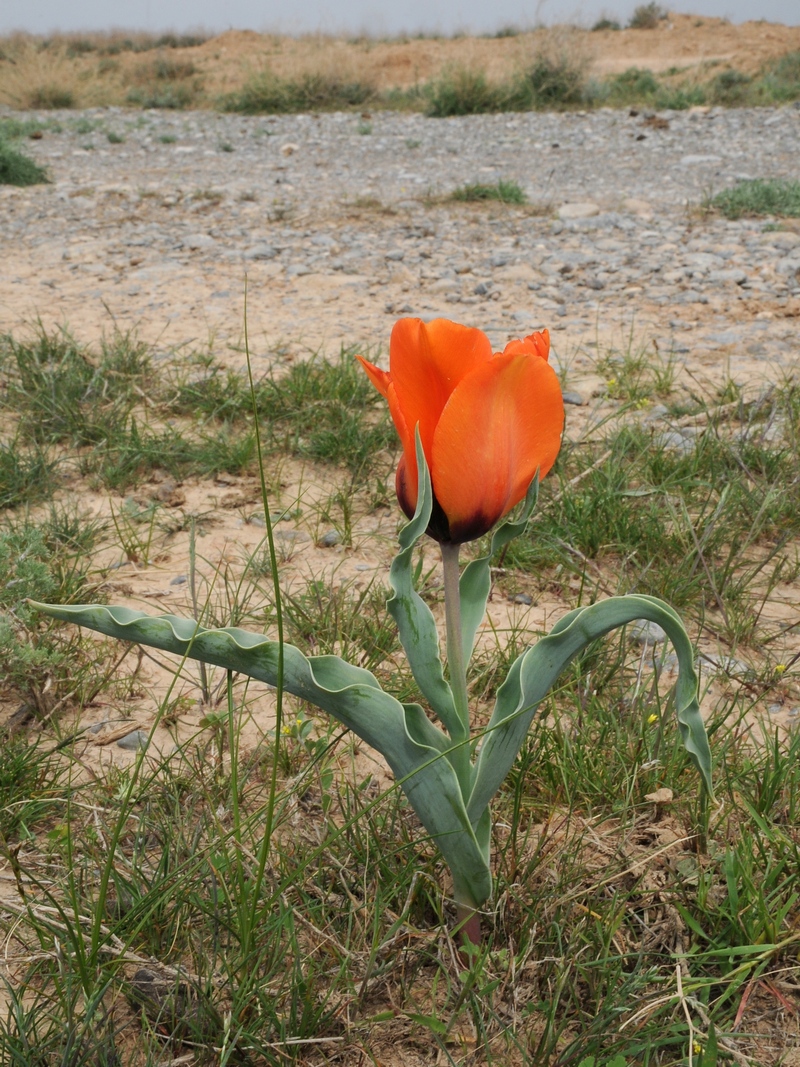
(536, 344)
(502, 424)
(426, 362)
(379, 378)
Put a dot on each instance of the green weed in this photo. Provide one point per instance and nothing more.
(504, 191)
(320, 409)
(39, 662)
(19, 169)
(465, 91)
(50, 98)
(268, 94)
(26, 474)
(759, 197)
(647, 16)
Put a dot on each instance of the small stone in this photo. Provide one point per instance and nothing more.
(673, 441)
(133, 741)
(197, 241)
(481, 289)
(289, 149)
(179, 579)
(668, 662)
(582, 210)
(329, 539)
(660, 796)
(522, 598)
(395, 255)
(637, 207)
(732, 275)
(734, 668)
(697, 159)
(261, 252)
(647, 633)
(570, 397)
(289, 535)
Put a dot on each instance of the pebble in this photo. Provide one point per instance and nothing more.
(134, 741)
(578, 211)
(612, 236)
(647, 633)
(734, 668)
(330, 538)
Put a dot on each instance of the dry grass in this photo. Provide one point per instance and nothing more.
(96, 69)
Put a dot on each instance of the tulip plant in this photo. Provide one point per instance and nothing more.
(478, 431)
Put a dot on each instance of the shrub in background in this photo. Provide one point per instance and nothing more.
(647, 16)
(19, 169)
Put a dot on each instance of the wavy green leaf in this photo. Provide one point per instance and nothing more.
(415, 749)
(536, 670)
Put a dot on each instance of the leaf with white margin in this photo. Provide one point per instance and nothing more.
(535, 671)
(415, 749)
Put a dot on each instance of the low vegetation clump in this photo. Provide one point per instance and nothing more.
(269, 94)
(757, 197)
(18, 169)
(504, 191)
(647, 16)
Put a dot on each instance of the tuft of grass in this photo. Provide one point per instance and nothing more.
(266, 93)
(505, 191)
(731, 88)
(18, 169)
(759, 197)
(167, 97)
(465, 91)
(51, 98)
(551, 82)
(48, 559)
(647, 16)
(66, 395)
(26, 475)
(319, 409)
(606, 24)
(779, 81)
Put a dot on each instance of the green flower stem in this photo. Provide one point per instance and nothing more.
(468, 918)
(456, 665)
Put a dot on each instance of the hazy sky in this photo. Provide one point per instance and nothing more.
(352, 16)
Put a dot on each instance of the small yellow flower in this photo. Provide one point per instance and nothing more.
(286, 730)
(697, 1048)
(780, 668)
(652, 720)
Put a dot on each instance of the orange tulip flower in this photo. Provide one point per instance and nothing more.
(487, 421)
